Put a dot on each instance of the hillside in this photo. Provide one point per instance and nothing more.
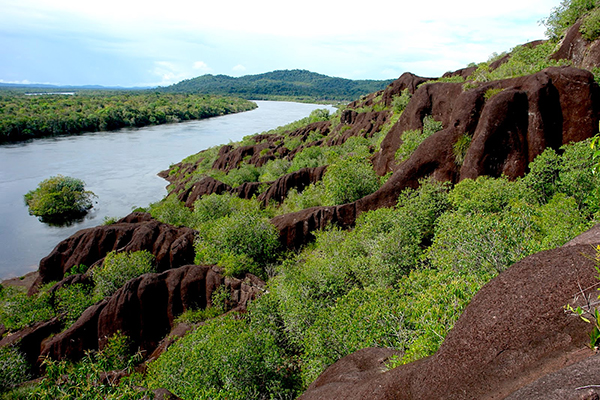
(422, 242)
(278, 85)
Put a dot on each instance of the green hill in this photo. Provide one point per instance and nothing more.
(296, 84)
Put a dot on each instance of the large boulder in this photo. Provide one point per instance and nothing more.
(512, 339)
(172, 246)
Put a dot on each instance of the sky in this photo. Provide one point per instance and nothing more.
(132, 43)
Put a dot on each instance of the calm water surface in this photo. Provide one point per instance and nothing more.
(120, 167)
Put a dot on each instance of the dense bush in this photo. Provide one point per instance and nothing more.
(226, 358)
(411, 139)
(13, 368)
(17, 310)
(241, 242)
(118, 268)
(86, 379)
(59, 196)
(565, 15)
(348, 180)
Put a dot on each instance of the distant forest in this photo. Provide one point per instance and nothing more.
(24, 117)
(280, 85)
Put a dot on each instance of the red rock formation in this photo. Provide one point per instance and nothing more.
(145, 308)
(512, 338)
(508, 130)
(171, 246)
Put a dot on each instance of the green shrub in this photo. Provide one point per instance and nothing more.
(543, 175)
(274, 170)
(311, 196)
(72, 301)
(236, 240)
(172, 211)
(14, 369)
(348, 180)
(413, 138)
(362, 318)
(399, 102)
(480, 241)
(215, 206)
(461, 147)
(17, 310)
(59, 196)
(565, 15)
(244, 173)
(486, 194)
(309, 157)
(84, 380)
(118, 268)
(227, 358)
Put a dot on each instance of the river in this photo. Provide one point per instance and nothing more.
(120, 167)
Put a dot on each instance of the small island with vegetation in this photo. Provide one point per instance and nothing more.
(59, 199)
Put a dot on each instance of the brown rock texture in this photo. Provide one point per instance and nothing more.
(145, 309)
(172, 246)
(512, 340)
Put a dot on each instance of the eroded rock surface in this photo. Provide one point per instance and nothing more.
(171, 246)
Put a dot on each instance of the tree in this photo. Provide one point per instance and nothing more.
(59, 197)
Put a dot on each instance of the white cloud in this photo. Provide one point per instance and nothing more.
(201, 65)
(239, 68)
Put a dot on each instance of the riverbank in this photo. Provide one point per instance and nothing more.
(121, 167)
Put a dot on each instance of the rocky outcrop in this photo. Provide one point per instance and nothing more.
(171, 246)
(512, 340)
(145, 309)
(507, 131)
(575, 48)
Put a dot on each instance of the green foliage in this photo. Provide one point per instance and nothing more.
(486, 194)
(543, 175)
(84, 380)
(118, 268)
(361, 318)
(348, 180)
(14, 369)
(59, 196)
(72, 301)
(172, 211)
(24, 117)
(275, 169)
(413, 138)
(218, 306)
(565, 15)
(240, 242)
(17, 310)
(590, 27)
(492, 92)
(312, 196)
(460, 148)
(227, 358)
(524, 60)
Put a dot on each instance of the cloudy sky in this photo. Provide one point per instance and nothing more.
(148, 43)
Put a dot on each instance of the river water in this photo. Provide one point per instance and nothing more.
(120, 167)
